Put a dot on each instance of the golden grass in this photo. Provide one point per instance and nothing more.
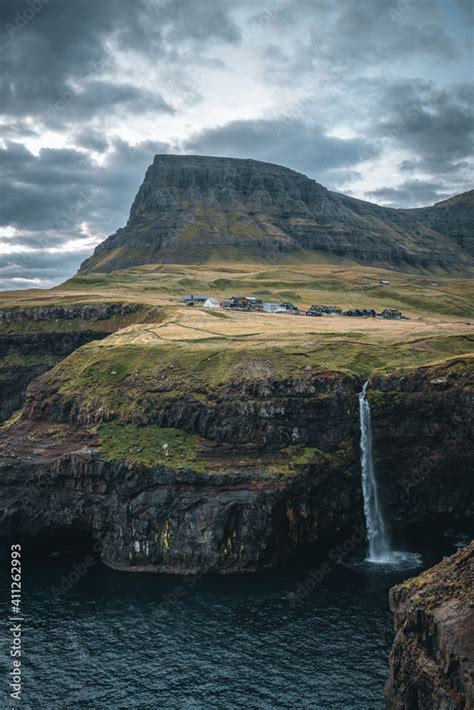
(346, 285)
(240, 328)
(438, 325)
(359, 346)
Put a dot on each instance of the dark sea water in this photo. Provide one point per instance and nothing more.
(121, 640)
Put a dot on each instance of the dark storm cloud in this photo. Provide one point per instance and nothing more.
(61, 41)
(407, 165)
(92, 139)
(436, 125)
(352, 57)
(338, 39)
(381, 31)
(55, 55)
(23, 270)
(411, 193)
(103, 93)
(17, 129)
(102, 97)
(59, 188)
(46, 197)
(287, 141)
(466, 7)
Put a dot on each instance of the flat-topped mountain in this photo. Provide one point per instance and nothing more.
(192, 209)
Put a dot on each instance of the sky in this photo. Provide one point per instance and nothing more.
(373, 98)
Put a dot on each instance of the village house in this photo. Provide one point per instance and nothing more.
(212, 303)
(314, 311)
(239, 302)
(391, 313)
(194, 299)
(255, 303)
(328, 310)
(252, 303)
(271, 307)
(287, 307)
(361, 312)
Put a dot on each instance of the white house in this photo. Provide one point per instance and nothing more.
(271, 307)
(212, 303)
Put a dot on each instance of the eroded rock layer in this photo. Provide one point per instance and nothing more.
(191, 208)
(239, 479)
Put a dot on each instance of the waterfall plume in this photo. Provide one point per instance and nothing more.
(378, 541)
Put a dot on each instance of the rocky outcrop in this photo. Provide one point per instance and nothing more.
(26, 356)
(319, 409)
(195, 208)
(31, 342)
(80, 311)
(432, 659)
(262, 489)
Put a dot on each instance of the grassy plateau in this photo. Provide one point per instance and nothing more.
(438, 324)
(173, 350)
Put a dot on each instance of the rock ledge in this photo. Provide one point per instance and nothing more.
(432, 659)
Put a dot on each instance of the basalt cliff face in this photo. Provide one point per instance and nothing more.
(33, 340)
(422, 423)
(432, 659)
(277, 468)
(190, 209)
(247, 501)
(232, 519)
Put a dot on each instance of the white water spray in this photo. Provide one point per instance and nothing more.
(379, 545)
(379, 550)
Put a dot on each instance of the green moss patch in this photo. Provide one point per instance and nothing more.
(14, 419)
(302, 455)
(150, 446)
(449, 579)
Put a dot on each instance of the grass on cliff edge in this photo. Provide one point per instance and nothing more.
(131, 374)
(150, 446)
(175, 449)
(437, 313)
(63, 327)
(193, 347)
(450, 579)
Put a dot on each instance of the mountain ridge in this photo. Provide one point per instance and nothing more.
(190, 209)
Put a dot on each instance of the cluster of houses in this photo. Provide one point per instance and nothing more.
(241, 303)
(324, 310)
(251, 303)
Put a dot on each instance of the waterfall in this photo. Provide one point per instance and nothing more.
(378, 541)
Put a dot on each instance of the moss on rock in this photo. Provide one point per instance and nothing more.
(150, 446)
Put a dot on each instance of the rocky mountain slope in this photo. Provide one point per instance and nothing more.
(191, 209)
(432, 659)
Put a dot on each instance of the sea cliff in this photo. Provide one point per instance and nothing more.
(432, 659)
(237, 480)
